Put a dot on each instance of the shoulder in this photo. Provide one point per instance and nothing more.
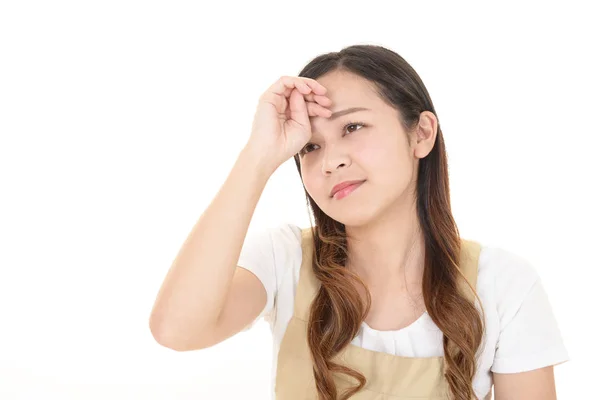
(505, 280)
(505, 270)
(289, 233)
(285, 237)
(277, 245)
(277, 237)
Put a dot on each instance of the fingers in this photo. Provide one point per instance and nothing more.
(304, 86)
(298, 109)
(316, 110)
(315, 98)
(298, 112)
(311, 95)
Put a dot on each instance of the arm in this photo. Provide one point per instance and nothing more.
(537, 384)
(195, 290)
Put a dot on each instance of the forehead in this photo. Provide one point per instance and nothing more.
(346, 89)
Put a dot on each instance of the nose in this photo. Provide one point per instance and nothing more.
(333, 162)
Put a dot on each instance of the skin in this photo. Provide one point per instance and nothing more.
(384, 240)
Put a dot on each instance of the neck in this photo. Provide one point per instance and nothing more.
(388, 250)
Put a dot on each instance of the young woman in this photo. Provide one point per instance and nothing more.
(381, 298)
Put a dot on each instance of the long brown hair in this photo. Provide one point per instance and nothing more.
(337, 311)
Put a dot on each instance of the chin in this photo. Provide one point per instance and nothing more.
(350, 218)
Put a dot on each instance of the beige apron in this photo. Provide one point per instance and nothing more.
(388, 376)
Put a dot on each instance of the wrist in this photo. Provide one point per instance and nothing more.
(255, 158)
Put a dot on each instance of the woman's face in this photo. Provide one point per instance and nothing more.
(368, 145)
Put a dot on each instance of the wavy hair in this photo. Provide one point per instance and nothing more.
(337, 310)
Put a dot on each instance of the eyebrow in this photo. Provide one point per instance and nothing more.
(340, 113)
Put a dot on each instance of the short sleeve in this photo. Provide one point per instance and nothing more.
(529, 335)
(257, 256)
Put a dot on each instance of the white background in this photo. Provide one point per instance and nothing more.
(119, 121)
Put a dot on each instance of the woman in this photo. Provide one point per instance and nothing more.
(382, 298)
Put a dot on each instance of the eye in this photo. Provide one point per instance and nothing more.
(306, 148)
(353, 124)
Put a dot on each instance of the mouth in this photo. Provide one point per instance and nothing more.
(346, 190)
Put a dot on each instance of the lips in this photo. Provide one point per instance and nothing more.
(343, 185)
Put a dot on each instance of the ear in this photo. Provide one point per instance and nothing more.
(425, 134)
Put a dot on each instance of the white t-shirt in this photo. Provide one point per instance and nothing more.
(521, 331)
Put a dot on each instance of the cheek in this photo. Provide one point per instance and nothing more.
(387, 165)
(378, 159)
(311, 185)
